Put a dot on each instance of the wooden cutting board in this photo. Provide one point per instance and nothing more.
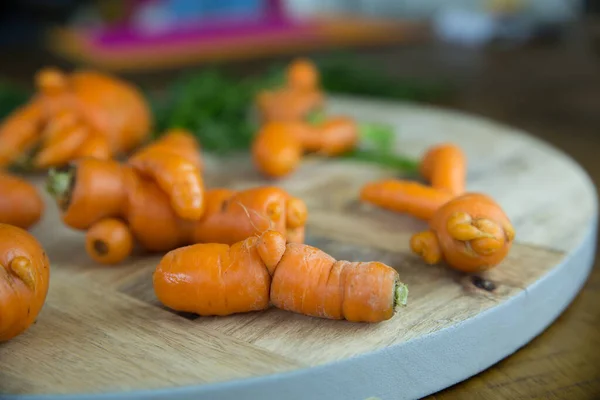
(102, 332)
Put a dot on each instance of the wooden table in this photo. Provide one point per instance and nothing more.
(554, 93)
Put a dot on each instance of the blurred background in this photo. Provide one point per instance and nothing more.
(532, 64)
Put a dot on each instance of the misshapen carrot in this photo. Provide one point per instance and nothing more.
(216, 279)
(19, 132)
(470, 233)
(109, 241)
(405, 197)
(299, 96)
(177, 177)
(278, 147)
(444, 166)
(180, 142)
(21, 204)
(95, 146)
(92, 190)
(24, 278)
(101, 105)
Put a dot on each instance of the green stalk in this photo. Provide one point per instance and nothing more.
(401, 295)
(60, 183)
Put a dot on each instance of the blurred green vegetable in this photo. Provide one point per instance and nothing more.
(11, 97)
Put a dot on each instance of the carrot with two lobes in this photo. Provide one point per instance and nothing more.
(264, 270)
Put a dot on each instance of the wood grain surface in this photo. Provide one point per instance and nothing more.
(104, 330)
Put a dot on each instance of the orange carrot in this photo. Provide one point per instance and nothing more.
(278, 147)
(216, 279)
(109, 241)
(91, 102)
(470, 233)
(180, 142)
(19, 132)
(24, 278)
(177, 177)
(20, 202)
(302, 74)
(444, 166)
(276, 151)
(413, 198)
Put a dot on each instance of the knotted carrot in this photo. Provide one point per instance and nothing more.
(180, 142)
(409, 197)
(24, 279)
(21, 204)
(444, 166)
(216, 279)
(470, 233)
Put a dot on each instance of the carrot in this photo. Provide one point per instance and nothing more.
(276, 150)
(302, 74)
(98, 103)
(177, 177)
(180, 142)
(400, 196)
(109, 241)
(470, 233)
(444, 166)
(24, 278)
(234, 216)
(287, 104)
(91, 190)
(216, 279)
(19, 132)
(20, 202)
(278, 147)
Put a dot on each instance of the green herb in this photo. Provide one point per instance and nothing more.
(11, 97)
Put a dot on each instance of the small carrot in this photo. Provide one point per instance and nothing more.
(302, 74)
(109, 241)
(21, 204)
(408, 197)
(217, 279)
(180, 179)
(276, 151)
(24, 278)
(19, 132)
(444, 166)
(470, 233)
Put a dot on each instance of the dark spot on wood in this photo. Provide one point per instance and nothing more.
(100, 247)
(483, 284)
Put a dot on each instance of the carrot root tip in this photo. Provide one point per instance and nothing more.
(401, 295)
